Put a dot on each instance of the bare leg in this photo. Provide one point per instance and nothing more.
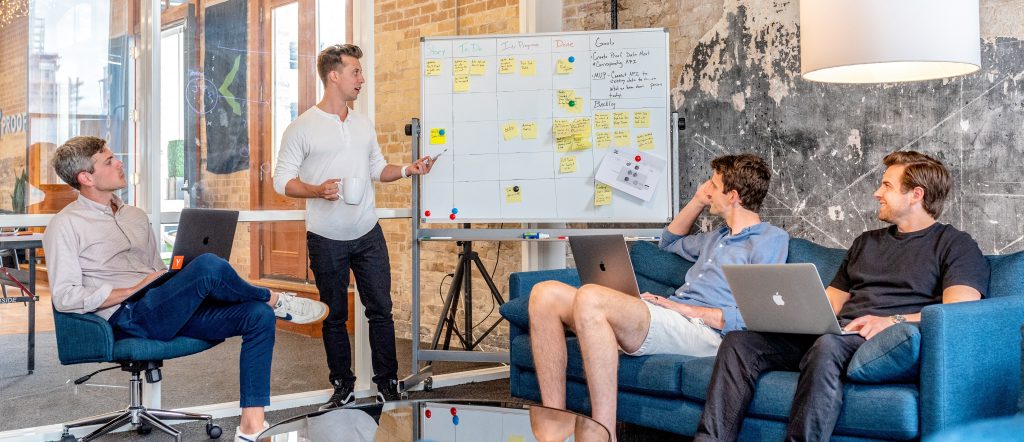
(252, 420)
(550, 312)
(606, 320)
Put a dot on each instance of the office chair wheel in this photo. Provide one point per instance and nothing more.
(67, 437)
(213, 431)
(428, 384)
(144, 429)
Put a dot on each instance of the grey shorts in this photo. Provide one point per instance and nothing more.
(673, 333)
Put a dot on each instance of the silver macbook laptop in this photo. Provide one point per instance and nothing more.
(782, 298)
(604, 260)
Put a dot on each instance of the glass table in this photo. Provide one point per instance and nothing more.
(438, 420)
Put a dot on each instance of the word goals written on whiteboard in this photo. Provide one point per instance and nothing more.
(522, 126)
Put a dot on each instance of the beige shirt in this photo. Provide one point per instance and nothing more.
(90, 251)
(318, 146)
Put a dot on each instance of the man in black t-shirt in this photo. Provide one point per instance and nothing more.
(887, 277)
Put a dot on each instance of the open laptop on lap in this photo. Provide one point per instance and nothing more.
(604, 260)
(782, 298)
(199, 231)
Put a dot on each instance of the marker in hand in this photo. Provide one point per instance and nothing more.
(433, 159)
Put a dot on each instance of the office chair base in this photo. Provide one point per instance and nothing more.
(136, 417)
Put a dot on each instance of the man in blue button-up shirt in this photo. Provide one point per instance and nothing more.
(690, 322)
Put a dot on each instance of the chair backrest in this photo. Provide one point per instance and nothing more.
(1006, 271)
(83, 338)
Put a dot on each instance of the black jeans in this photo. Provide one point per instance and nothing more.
(368, 259)
(745, 355)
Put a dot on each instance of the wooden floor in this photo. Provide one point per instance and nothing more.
(14, 317)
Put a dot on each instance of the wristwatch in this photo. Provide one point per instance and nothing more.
(896, 319)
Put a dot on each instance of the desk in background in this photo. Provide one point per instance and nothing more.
(26, 278)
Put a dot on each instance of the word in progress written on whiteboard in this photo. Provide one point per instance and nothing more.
(527, 120)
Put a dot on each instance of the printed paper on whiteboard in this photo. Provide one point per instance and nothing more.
(623, 172)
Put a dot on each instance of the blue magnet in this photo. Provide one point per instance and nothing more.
(441, 132)
(455, 420)
(455, 211)
(572, 59)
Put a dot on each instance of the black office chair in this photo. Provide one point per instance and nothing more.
(83, 338)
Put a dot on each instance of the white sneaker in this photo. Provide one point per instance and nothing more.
(242, 437)
(299, 310)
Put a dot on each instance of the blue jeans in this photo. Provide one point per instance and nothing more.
(208, 300)
(367, 257)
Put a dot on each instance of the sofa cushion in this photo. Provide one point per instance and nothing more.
(655, 375)
(517, 311)
(825, 259)
(657, 271)
(1006, 271)
(891, 356)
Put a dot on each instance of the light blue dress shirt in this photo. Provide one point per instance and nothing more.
(705, 284)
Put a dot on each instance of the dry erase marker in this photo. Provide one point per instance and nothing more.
(434, 158)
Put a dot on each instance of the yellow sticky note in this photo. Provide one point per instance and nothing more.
(565, 144)
(621, 138)
(645, 141)
(621, 120)
(567, 164)
(642, 119)
(527, 68)
(433, 68)
(581, 127)
(604, 139)
(561, 128)
(461, 83)
(438, 136)
(513, 194)
(529, 130)
(507, 65)
(602, 120)
(563, 67)
(460, 67)
(602, 194)
(576, 104)
(510, 130)
(581, 142)
(478, 67)
(515, 438)
(563, 97)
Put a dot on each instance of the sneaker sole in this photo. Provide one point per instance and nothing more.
(295, 320)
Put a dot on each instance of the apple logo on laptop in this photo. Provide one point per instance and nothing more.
(777, 298)
(601, 265)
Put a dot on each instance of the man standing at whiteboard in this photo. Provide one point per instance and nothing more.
(690, 322)
(329, 155)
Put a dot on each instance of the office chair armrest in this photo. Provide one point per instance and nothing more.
(83, 338)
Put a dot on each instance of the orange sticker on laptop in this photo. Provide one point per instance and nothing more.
(177, 261)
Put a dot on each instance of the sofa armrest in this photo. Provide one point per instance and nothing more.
(970, 361)
(520, 283)
(83, 338)
(519, 286)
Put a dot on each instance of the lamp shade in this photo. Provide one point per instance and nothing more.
(887, 41)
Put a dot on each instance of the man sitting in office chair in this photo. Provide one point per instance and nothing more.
(100, 251)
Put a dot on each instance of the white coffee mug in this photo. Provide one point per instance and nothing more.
(352, 189)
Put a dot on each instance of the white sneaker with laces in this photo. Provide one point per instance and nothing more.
(242, 437)
(299, 310)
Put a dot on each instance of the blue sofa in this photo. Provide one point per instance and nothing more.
(969, 361)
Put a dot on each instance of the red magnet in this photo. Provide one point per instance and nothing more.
(454, 412)
(637, 158)
(427, 414)
(427, 213)
(452, 216)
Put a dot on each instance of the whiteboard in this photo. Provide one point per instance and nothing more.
(525, 121)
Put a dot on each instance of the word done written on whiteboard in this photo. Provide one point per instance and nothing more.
(528, 120)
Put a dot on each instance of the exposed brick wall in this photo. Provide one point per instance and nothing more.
(13, 100)
(398, 28)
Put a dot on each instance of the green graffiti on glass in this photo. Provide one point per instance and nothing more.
(223, 89)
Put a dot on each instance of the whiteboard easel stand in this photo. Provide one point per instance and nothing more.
(424, 375)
